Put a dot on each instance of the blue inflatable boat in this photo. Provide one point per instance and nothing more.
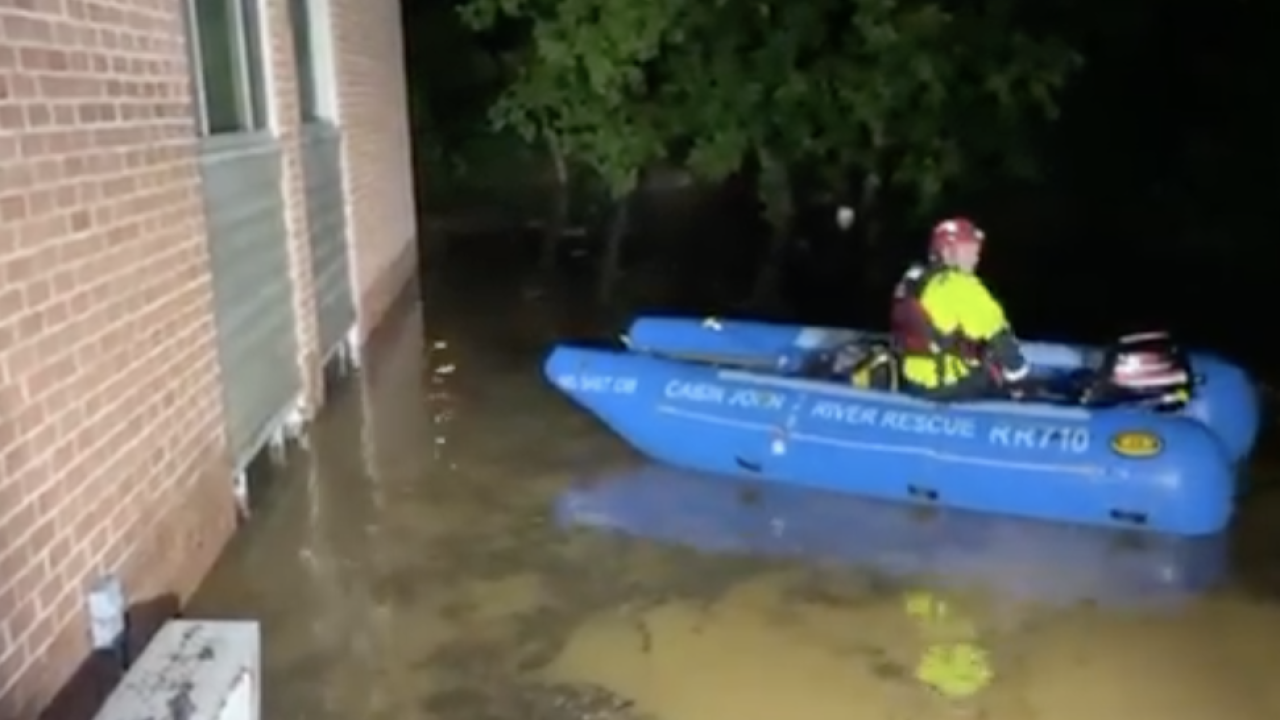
(1018, 560)
(732, 397)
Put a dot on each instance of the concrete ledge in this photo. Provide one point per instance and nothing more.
(194, 670)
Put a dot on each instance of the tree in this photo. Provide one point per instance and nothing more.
(576, 90)
(904, 92)
(455, 150)
(882, 92)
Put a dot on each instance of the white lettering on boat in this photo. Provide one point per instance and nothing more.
(599, 384)
(713, 394)
(1074, 439)
(898, 420)
(1067, 438)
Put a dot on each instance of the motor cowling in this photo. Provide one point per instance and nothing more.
(1147, 367)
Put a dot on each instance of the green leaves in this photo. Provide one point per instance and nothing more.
(908, 90)
(582, 79)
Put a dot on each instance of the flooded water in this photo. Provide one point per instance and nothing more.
(415, 563)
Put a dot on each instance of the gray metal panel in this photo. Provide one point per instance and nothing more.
(326, 218)
(257, 344)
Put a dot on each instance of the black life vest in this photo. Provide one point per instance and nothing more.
(909, 324)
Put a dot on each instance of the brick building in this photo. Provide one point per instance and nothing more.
(199, 201)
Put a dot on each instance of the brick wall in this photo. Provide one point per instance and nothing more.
(283, 89)
(110, 431)
(112, 450)
(375, 118)
(373, 114)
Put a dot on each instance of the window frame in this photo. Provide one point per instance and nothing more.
(253, 82)
(315, 61)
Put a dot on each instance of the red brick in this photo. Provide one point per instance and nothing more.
(374, 111)
(110, 407)
(94, 213)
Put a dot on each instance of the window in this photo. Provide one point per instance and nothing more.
(228, 54)
(311, 60)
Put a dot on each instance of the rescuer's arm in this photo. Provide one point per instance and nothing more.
(985, 320)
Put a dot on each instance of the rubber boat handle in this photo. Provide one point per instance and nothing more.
(749, 466)
(922, 493)
(1129, 517)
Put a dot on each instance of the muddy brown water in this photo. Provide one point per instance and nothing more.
(407, 565)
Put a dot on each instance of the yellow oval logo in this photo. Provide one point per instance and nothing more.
(1137, 444)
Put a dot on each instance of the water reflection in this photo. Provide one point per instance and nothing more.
(1020, 561)
(915, 610)
(412, 564)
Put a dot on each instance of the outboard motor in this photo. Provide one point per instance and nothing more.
(1148, 369)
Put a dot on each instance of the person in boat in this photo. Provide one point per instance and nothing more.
(950, 333)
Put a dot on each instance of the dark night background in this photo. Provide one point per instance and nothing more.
(1154, 204)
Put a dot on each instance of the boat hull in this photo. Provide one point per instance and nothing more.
(1227, 399)
(1116, 467)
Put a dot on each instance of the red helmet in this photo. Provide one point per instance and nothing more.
(953, 233)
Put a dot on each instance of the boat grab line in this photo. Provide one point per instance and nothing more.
(823, 387)
(711, 419)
